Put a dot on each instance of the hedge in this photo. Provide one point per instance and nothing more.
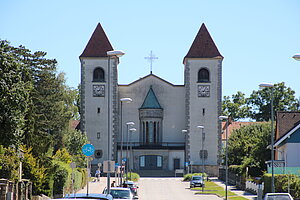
(62, 177)
(281, 183)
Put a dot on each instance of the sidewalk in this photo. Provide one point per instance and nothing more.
(239, 192)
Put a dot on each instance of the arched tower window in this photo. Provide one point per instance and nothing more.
(203, 75)
(98, 75)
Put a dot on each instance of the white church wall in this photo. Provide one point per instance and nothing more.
(209, 119)
(171, 99)
(95, 122)
(176, 155)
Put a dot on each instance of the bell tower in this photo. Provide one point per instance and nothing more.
(99, 94)
(203, 93)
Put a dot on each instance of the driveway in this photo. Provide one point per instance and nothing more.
(168, 189)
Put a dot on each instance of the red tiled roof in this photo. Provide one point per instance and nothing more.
(234, 125)
(74, 124)
(98, 44)
(203, 46)
(285, 122)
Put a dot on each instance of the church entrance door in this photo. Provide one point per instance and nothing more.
(150, 162)
(176, 163)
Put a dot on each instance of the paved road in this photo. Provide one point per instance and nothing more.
(157, 189)
(168, 189)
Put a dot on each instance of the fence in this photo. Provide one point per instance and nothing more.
(254, 187)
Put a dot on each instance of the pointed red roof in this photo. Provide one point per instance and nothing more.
(98, 45)
(203, 46)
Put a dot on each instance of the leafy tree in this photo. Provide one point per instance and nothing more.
(260, 101)
(15, 86)
(75, 140)
(236, 106)
(9, 162)
(247, 147)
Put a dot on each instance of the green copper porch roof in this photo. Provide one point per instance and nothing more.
(151, 101)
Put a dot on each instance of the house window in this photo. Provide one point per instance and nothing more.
(98, 75)
(151, 132)
(203, 75)
(159, 161)
(142, 161)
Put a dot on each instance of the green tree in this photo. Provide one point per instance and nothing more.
(260, 101)
(247, 147)
(236, 107)
(15, 86)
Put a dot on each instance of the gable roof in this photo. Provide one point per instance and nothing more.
(151, 101)
(287, 135)
(142, 78)
(98, 44)
(286, 124)
(203, 46)
(285, 121)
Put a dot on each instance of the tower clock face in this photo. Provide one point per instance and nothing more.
(98, 90)
(203, 91)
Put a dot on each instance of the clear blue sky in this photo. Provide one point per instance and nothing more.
(257, 38)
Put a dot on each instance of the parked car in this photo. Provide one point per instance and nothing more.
(278, 196)
(133, 187)
(120, 193)
(78, 196)
(196, 181)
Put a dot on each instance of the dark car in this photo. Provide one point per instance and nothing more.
(196, 181)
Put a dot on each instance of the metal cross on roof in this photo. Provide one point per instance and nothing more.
(151, 58)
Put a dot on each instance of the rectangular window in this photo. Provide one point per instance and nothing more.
(142, 161)
(98, 110)
(159, 161)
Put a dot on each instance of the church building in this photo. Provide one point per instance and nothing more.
(151, 123)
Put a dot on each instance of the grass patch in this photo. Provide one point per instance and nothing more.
(213, 188)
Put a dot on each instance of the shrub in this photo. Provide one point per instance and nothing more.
(132, 176)
(282, 181)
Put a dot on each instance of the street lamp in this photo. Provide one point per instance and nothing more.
(127, 100)
(129, 124)
(226, 154)
(297, 56)
(130, 153)
(202, 153)
(270, 85)
(115, 53)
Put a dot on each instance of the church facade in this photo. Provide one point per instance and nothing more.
(166, 117)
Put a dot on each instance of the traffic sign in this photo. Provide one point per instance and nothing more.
(186, 164)
(88, 149)
(108, 166)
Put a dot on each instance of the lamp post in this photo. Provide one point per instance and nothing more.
(297, 56)
(115, 53)
(226, 154)
(270, 85)
(127, 100)
(202, 153)
(185, 157)
(130, 153)
(127, 143)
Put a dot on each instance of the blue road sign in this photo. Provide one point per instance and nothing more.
(88, 149)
